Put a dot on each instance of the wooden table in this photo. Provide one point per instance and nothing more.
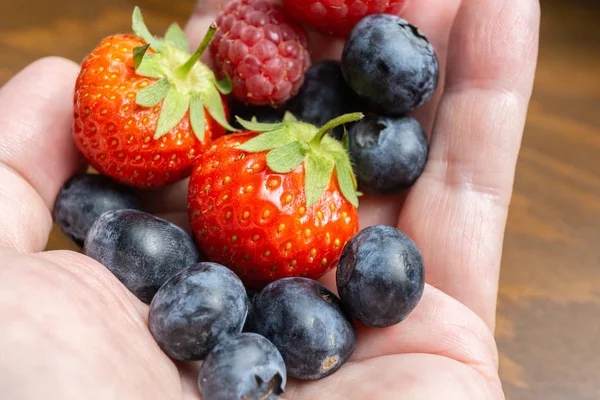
(549, 303)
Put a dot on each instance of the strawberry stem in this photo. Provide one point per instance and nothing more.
(342, 119)
(183, 70)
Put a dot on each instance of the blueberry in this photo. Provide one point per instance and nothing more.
(390, 63)
(196, 309)
(243, 367)
(388, 153)
(264, 114)
(306, 323)
(142, 251)
(84, 198)
(380, 277)
(324, 96)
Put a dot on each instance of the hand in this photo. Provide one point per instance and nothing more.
(70, 330)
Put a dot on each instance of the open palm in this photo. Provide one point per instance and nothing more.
(70, 330)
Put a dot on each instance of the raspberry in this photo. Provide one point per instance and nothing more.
(262, 50)
(338, 17)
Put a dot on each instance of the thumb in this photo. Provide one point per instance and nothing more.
(37, 153)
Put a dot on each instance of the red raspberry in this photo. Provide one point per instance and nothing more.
(338, 17)
(262, 50)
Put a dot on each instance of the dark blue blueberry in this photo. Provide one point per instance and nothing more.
(324, 96)
(142, 251)
(243, 367)
(196, 309)
(390, 63)
(84, 198)
(388, 154)
(264, 114)
(306, 323)
(380, 277)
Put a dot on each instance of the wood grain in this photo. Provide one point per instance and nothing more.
(549, 301)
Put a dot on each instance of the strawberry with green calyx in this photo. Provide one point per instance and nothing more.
(145, 107)
(276, 201)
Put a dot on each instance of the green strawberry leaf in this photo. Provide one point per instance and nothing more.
(318, 170)
(214, 104)
(345, 178)
(176, 37)
(304, 131)
(289, 117)
(153, 94)
(150, 66)
(345, 139)
(184, 81)
(286, 158)
(174, 108)
(292, 142)
(225, 86)
(140, 29)
(267, 141)
(354, 182)
(138, 55)
(197, 117)
(332, 146)
(259, 126)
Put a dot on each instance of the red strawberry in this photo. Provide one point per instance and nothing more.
(145, 108)
(267, 203)
(262, 50)
(338, 17)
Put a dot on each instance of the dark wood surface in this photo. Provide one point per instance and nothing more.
(549, 302)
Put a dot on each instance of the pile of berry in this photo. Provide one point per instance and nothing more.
(272, 205)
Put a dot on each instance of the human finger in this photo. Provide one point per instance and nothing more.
(37, 153)
(457, 210)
